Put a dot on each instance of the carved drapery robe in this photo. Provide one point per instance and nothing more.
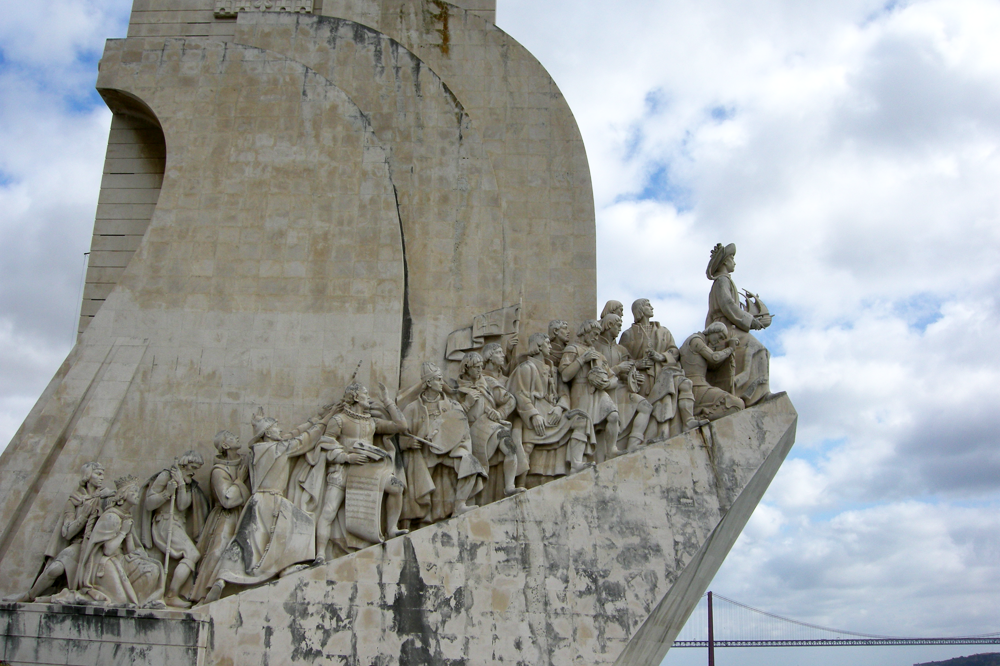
(82, 508)
(114, 569)
(231, 490)
(595, 402)
(272, 532)
(535, 385)
(662, 382)
(433, 472)
(626, 399)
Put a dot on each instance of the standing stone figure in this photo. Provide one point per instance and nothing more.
(230, 485)
(751, 382)
(442, 474)
(488, 403)
(633, 409)
(664, 385)
(590, 378)
(703, 351)
(273, 535)
(558, 339)
(555, 439)
(63, 551)
(114, 569)
(372, 479)
(173, 508)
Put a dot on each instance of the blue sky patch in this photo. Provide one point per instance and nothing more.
(919, 311)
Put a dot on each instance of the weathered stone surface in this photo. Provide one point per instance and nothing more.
(87, 636)
(327, 196)
(566, 573)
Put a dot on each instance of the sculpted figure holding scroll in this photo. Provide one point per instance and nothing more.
(173, 508)
(488, 403)
(664, 386)
(230, 484)
(633, 409)
(442, 473)
(555, 438)
(590, 379)
(114, 568)
(701, 352)
(365, 471)
(751, 381)
(63, 551)
(273, 535)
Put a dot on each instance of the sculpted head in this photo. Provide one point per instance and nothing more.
(190, 463)
(264, 426)
(559, 330)
(642, 309)
(613, 307)
(588, 331)
(723, 259)
(92, 473)
(611, 325)
(224, 441)
(716, 334)
(357, 394)
(471, 366)
(539, 343)
(493, 353)
(431, 376)
(126, 490)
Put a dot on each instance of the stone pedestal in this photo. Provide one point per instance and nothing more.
(92, 636)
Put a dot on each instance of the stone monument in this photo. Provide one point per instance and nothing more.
(304, 199)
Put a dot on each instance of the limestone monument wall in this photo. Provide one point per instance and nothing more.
(305, 198)
(343, 182)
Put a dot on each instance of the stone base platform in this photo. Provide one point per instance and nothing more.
(91, 636)
(602, 567)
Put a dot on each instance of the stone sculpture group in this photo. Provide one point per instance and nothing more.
(364, 470)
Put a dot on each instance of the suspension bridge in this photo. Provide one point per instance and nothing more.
(720, 622)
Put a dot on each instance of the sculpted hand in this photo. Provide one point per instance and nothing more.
(512, 342)
(554, 418)
(383, 394)
(538, 425)
(755, 324)
(590, 355)
(356, 459)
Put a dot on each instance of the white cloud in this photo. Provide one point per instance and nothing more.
(851, 150)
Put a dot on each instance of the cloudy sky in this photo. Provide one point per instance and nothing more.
(851, 150)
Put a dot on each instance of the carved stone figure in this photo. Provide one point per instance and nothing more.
(590, 378)
(273, 535)
(664, 385)
(751, 380)
(372, 485)
(173, 511)
(488, 403)
(558, 339)
(114, 568)
(633, 409)
(442, 474)
(555, 438)
(704, 351)
(63, 551)
(230, 485)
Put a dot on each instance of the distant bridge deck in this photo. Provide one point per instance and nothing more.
(736, 625)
